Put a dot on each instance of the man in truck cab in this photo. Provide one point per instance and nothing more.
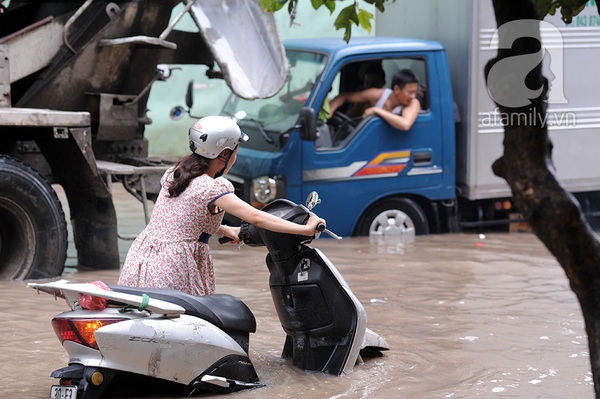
(373, 75)
(397, 105)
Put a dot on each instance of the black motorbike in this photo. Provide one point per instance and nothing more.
(326, 325)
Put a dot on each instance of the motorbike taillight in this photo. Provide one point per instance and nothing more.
(80, 330)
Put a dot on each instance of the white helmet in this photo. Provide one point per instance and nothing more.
(212, 134)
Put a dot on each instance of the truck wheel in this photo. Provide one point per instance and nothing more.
(33, 230)
(393, 218)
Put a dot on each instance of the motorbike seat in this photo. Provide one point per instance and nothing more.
(223, 310)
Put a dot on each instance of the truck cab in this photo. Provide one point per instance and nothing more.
(377, 180)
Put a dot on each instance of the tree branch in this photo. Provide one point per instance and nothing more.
(526, 165)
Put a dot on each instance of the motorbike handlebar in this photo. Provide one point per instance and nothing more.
(313, 198)
(224, 240)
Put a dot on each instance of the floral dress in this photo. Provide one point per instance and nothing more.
(168, 252)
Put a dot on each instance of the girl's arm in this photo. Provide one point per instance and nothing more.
(230, 203)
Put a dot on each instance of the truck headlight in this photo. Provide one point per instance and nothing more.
(265, 189)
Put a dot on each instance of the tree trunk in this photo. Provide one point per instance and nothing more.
(553, 213)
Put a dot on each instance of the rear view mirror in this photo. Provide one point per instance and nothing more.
(307, 124)
(312, 200)
(189, 96)
(178, 112)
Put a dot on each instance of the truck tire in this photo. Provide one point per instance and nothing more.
(393, 218)
(33, 230)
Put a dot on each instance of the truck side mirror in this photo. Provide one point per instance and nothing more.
(307, 124)
(189, 96)
(178, 112)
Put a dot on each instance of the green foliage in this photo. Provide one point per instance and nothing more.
(329, 4)
(364, 19)
(346, 19)
(273, 5)
(353, 14)
(349, 16)
(378, 4)
(568, 8)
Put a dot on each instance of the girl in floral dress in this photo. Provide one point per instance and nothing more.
(172, 251)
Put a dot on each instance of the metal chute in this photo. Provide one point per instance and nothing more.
(245, 42)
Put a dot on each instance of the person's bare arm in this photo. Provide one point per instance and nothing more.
(400, 122)
(230, 203)
(368, 95)
(288, 96)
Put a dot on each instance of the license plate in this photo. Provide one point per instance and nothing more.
(63, 392)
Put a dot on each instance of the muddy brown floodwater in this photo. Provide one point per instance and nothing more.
(465, 316)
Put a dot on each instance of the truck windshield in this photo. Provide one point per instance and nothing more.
(266, 119)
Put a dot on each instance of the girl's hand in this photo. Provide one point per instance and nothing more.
(312, 224)
(231, 232)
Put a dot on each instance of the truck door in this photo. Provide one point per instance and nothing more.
(368, 159)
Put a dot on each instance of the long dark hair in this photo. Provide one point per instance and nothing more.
(185, 170)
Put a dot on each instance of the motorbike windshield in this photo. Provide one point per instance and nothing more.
(265, 120)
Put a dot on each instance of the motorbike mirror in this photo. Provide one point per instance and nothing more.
(312, 200)
(307, 124)
(189, 96)
(177, 113)
(164, 70)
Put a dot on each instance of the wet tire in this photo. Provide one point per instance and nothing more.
(393, 217)
(33, 230)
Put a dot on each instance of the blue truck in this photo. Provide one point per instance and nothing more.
(437, 176)
(374, 179)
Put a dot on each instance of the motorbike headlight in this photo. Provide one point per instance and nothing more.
(264, 190)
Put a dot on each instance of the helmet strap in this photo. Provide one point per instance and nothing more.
(224, 159)
(220, 173)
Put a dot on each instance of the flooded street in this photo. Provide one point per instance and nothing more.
(465, 316)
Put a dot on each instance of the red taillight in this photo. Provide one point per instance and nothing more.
(80, 330)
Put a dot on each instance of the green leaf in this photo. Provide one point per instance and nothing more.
(347, 34)
(272, 5)
(364, 19)
(330, 4)
(379, 5)
(544, 7)
(570, 8)
(345, 19)
(316, 3)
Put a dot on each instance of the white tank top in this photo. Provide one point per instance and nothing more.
(386, 93)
